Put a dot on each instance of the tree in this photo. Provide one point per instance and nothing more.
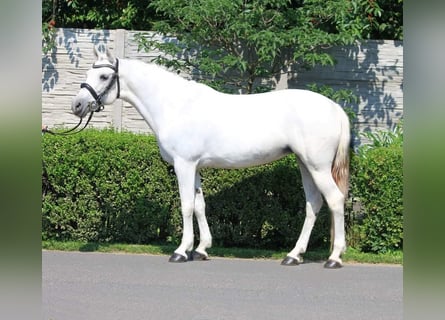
(236, 44)
(239, 44)
(99, 14)
(93, 14)
(379, 19)
(373, 19)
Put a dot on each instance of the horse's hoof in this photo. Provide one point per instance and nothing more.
(197, 256)
(177, 258)
(332, 264)
(289, 261)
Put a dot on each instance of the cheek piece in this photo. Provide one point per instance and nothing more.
(98, 105)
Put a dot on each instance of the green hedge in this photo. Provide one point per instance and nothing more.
(104, 186)
(377, 181)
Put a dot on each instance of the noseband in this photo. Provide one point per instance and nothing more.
(97, 105)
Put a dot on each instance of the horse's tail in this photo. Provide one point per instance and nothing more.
(340, 165)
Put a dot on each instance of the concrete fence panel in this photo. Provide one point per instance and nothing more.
(372, 69)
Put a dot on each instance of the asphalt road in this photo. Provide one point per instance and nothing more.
(82, 286)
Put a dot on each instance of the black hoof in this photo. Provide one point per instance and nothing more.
(289, 261)
(196, 256)
(177, 258)
(331, 264)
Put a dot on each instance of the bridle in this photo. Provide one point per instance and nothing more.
(97, 105)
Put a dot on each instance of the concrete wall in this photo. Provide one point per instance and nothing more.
(373, 70)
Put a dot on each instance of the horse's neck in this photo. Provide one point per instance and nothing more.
(150, 89)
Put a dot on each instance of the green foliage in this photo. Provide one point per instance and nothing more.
(100, 14)
(378, 19)
(368, 19)
(383, 138)
(102, 186)
(240, 44)
(344, 96)
(48, 28)
(260, 207)
(48, 37)
(378, 184)
(235, 45)
(114, 187)
(365, 19)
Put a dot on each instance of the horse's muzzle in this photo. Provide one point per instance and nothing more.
(80, 108)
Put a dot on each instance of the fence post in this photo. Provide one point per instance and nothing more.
(119, 51)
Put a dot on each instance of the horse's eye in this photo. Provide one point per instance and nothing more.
(104, 77)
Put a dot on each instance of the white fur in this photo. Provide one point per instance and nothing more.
(197, 127)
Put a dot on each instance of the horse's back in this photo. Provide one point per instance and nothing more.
(231, 131)
(296, 102)
(302, 121)
(272, 112)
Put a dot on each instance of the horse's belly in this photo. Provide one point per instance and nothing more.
(229, 160)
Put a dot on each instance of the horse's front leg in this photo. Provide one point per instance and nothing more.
(185, 173)
(205, 237)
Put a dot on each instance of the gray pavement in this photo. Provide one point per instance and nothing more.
(82, 286)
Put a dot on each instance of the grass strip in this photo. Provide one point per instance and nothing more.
(351, 255)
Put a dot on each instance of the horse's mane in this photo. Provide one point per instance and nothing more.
(167, 75)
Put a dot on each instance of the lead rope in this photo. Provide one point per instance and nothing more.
(70, 131)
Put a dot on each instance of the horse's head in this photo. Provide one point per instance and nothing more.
(101, 86)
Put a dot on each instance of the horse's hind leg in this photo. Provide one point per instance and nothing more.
(314, 202)
(205, 238)
(335, 200)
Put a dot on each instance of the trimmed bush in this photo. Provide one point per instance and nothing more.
(104, 186)
(260, 207)
(114, 187)
(377, 181)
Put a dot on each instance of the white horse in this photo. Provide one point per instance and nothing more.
(196, 126)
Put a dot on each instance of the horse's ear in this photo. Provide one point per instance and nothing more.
(110, 56)
(96, 52)
(100, 55)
